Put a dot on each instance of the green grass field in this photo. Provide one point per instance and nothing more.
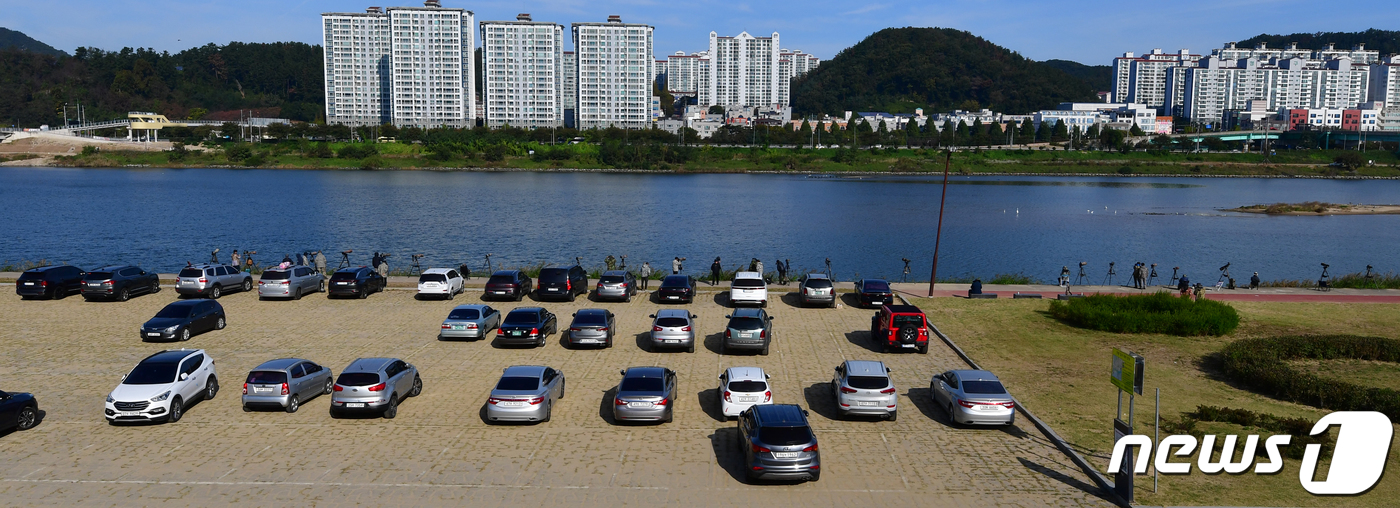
(1062, 374)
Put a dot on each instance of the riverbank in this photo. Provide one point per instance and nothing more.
(1316, 208)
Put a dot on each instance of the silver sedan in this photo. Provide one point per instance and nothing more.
(525, 393)
(973, 397)
(470, 322)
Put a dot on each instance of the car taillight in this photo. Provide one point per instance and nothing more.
(201, 281)
(966, 404)
(888, 390)
(107, 283)
(535, 401)
(1008, 405)
(847, 390)
(492, 400)
(727, 334)
(446, 326)
(624, 285)
(763, 334)
(685, 329)
(339, 388)
(500, 331)
(662, 402)
(261, 283)
(245, 388)
(471, 325)
(534, 331)
(44, 284)
(377, 388)
(619, 402)
(575, 329)
(285, 389)
(812, 448)
(603, 329)
(759, 449)
(768, 396)
(568, 285)
(726, 396)
(655, 328)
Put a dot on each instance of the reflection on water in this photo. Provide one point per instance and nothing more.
(161, 218)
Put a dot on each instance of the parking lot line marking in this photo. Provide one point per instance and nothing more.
(260, 451)
(170, 451)
(34, 471)
(895, 460)
(226, 474)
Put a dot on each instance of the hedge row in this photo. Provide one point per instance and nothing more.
(1156, 313)
(1261, 365)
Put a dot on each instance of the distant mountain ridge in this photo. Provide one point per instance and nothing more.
(938, 69)
(1098, 76)
(11, 39)
(1387, 42)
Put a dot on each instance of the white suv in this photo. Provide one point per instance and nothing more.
(741, 388)
(162, 386)
(748, 288)
(443, 282)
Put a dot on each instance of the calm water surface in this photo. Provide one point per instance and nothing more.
(160, 218)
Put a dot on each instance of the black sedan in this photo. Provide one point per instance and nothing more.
(874, 293)
(180, 320)
(18, 411)
(527, 326)
(357, 282)
(677, 288)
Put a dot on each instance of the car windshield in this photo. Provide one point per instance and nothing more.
(876, 285)
(642, 384)
(747, 386)
(554, 275)
(175, 311)
(97, 276)
(432, 277)
(31, 276)
(983, 387)
(818, 283)
(745, 323)
(501, 279)
(522, 318)
(151, 373)
(748, 283)
(191, 272)
(267, 377)
(611, 279)
(590, 319)
(785, 436)
(357, 378)
(868, 382)
(343, 276)
(276, 275)
(675, 281)
(518, 383)
(915, 321)
(464, 314)
(671, 322)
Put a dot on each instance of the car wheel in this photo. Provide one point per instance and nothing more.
(155, 288)
(296, 295)
(58, 294)
(548, 412)
(364, 293)
(124, 295)
(451, 295)
(894, 415)
(572, 297)
(562, 386)
(293, 405)
(185, 334)
(330, 385)
(176, 410)
(417, 387)
(220, 324)
(247, 409)
(393, 409)
(211, 388)
(691, 349)
(923, 349)
(816, 475)
(28, 418)
(214, 292)
(764, 352)
(247, 285)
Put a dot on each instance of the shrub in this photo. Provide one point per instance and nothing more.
(1156, 313)
(255, 160)
(320, 151)
(1261, 365)
(238, 152)
(1299, 428)
(1012, 278)
(89, 150)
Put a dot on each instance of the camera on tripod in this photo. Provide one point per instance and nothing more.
(1324, 281)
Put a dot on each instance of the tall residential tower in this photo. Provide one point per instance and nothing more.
(615, 73)
(523, 67)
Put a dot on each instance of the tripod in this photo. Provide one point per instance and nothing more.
(489, 269)
(1082, 275)
(344, 259)
(905, 277)
(1108, 280)
(1174, 276)
(214, 257)
(1152, 276)
(416, 268)
(1324, 282)
(1224, 273)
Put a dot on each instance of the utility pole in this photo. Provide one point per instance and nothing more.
(938, 235)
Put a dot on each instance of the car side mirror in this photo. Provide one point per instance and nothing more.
(805, 413)
(693, 316)
(721, 377)
(623, 372)
(887, 369)
(653, 316)
(184, 376)
(766, 376)
(574, 314)
(726, 316)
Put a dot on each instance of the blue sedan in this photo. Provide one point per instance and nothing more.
(18, 411)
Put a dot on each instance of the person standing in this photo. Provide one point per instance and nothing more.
(715, 269)
(248, 263)
(320, 263)
(611, 262)
(1183, 285)
(646, 275)
(782, 272)
(676, 266)
(758, 267)
(236, 260)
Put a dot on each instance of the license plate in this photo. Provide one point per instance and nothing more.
(150, 334)
(499, 292)
(94, 285)
(554, 289)
(784, 455)
(261, 390)
(587, 341)
(910, 346)
(516, 333)
(673, 298)
(673, 342)
(511, 404)
(638, 404)
(354, 404)
(865, 403)
(458, 327)
(343, 283)
(748, 399)
(29, 283)
(746, 335)
(129, 413)
(988, 407)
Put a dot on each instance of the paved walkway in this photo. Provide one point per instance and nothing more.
(920, 290)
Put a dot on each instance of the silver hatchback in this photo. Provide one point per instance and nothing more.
(525, 393)
(211, 281)
(616, 285)
(673, 328)
(285, 383)
(374, 385)
(863, 387)
(291, 282)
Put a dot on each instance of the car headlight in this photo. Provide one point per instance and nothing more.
(109, 399)
(172, 329)
(161, 397)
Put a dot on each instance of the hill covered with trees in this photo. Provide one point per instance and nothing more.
(1100, 77)
(286, 77)
(938, 69)
(11, 39)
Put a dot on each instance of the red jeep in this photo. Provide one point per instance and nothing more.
(898, 327)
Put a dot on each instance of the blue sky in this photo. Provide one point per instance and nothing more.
(1088, 31)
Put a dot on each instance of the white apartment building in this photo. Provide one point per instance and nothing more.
(1215, 87)
(741, 72)
(357, 67)
(523, 71)
(570, 86)
(792, 64)
(1385, 82)
(1358, 53)
(615, 74)
(683, 73)
(1142, 79)
(433, 79)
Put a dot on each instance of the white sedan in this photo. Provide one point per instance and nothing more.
(440, 282)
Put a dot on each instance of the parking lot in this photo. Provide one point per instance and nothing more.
(438, 451)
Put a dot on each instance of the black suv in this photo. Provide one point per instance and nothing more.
(52, 282)
(676, 288)
(566, 283)
(119, 282)
(355, 282)
(510, 284)
(778, 443)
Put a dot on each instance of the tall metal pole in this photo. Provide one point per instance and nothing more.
(938, 236)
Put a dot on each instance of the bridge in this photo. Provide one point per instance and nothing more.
(141, 125)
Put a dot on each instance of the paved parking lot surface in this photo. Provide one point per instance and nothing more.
(71, 353)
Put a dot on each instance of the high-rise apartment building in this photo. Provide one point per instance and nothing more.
(570, 90)
(410, 66)
(1142, 79)
(1216, 86)
(616, 68)
(523, 65)
(357, 67)
(683, 73)
(792, 64)
(741, 71)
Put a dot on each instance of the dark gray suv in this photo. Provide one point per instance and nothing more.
(118, 282)
(778, 444)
